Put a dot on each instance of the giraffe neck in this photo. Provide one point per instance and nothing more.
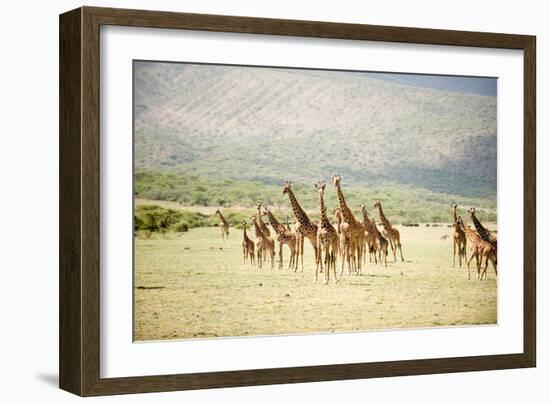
(245, 236)
(338, 220)
(323, 220)
(346, 212)
(455, 218)
(480, 229)
(299, 213)
(261, 222)
(383, 217)
(279, 229)
(375, 228)
(367, 221)
(222, 218)
(258, 231)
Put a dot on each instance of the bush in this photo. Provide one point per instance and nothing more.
(180, 226)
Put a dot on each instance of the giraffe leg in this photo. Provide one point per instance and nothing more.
(316, 248)
(324, 254)
(342, 256)
(298, 252)
(334, 252)
(360, 256)
(454, 253)
(295, 259)
(302, 251)
(317, 264)
(484, 275)
(392, 245)
(469, 261)
(349, 258)
(280, 255)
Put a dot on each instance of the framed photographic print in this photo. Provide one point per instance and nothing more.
(249, 201)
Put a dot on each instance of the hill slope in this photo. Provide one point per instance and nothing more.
(267, 125)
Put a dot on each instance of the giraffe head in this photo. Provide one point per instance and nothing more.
(253, 219)
(218, 211)
(377, 203)
(265, 212)
(336, 179)
(454, 206)
(320, 186)
(243, 223)
(363, 208)
(259, 205)
(286, 187)
(472, 212)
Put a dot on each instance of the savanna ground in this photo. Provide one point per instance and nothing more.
(191, 285)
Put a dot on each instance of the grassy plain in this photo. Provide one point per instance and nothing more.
(191, 284)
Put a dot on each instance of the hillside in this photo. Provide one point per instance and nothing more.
(266, 125)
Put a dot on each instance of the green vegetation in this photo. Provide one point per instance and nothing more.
(193, 285)
(155, 218)
(402, 204)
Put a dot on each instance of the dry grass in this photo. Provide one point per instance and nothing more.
(193, 285)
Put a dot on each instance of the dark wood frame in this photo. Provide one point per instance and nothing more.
(79, 201)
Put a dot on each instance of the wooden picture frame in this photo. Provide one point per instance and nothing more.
(79, 318)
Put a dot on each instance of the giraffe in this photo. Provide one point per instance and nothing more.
(304, 228)
(264, 243)
(248, 248)
(480, 249)
(262, 225)
(351, 227)
(483, 232)
(344, 242)
(459, 239)
(381, 244)
(224, 225)
(391, 233)
(284, 237)
(327, 239)
(375, 241)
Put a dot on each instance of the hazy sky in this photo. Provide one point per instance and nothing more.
(473, 85)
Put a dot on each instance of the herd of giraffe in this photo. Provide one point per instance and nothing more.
(483, 243)
(351, 238)
(348, 242)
